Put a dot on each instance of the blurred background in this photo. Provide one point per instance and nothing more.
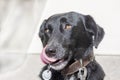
(20, 45)
(18, 23)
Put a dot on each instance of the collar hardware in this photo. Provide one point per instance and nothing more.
(82, 74)
(78, 66)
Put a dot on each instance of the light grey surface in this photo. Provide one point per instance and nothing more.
(29, 70)
(111, 66)
(18, 22)
(32, 66)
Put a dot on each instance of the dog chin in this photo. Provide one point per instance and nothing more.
(60, 64)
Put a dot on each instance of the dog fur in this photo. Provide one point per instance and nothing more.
(72, 42)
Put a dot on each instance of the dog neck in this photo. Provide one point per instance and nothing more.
(75, 66)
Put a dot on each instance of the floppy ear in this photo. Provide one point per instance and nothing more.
(42, 34)
(94, 29)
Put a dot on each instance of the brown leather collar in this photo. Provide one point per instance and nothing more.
(74, 67)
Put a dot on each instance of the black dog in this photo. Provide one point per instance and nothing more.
(68, 41)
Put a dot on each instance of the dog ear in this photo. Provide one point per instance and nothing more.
(94, 29)
(42, 34)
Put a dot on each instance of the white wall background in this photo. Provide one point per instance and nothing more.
(18, 20)
(105, 12)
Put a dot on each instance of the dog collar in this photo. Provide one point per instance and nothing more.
(76, 66)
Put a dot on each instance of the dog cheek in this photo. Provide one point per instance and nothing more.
(44, 41)
(68, 43)
(78, 53)
(61, 53)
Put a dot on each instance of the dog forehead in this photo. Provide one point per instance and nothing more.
(70, 17)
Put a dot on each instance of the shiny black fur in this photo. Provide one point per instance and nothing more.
(72, 42)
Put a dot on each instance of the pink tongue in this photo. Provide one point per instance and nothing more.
(45, 59)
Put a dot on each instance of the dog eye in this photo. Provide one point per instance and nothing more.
(47, 30)
(67, 27)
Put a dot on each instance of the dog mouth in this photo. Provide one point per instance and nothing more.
(56, 64)
(60, 64)
(59, 61)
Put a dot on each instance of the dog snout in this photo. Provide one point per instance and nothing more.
(50, 51)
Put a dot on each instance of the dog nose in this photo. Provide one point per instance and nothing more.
(50, 51)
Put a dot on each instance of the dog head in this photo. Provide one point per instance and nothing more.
(67, 36)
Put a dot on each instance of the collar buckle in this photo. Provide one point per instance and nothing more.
(82, 74)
